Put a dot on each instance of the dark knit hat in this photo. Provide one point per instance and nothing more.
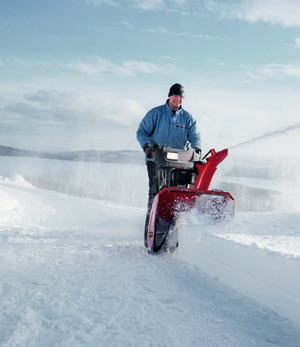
(176, 89)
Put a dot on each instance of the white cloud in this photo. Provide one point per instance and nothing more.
(160, 30)
(91, 67)
(101, 2)
(149, 5)
(275, 71)
(128, 25)
(297, 42)
(100, 66)
(163, 30)
(83, 119)
(20, 61)
(286, 13)
(49, 105)
(144, 5)
(130, 67)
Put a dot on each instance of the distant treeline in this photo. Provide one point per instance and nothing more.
(122, 157)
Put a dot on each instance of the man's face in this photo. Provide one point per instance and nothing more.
(175, 101)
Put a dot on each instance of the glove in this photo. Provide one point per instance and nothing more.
(198, 150)
(149, 151)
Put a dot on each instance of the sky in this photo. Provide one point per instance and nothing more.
(81, 74)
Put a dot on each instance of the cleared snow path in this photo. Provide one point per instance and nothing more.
(73, 272)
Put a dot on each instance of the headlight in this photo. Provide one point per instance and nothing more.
(172, 156)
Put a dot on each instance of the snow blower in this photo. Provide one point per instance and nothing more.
(183, 180)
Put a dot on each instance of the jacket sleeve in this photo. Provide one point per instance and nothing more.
(146, 128)
(193, 133)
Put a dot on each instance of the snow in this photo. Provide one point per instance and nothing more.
(74, 271)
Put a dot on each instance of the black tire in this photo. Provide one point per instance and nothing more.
(146, 229)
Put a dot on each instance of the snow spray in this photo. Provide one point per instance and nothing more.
(277, 173)
(268, 135)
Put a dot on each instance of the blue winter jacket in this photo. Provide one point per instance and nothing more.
(161, 127)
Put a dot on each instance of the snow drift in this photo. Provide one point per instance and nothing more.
(63, 241)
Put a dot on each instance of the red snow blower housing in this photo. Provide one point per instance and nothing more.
(183, 181)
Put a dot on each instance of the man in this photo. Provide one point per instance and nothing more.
(166, 125)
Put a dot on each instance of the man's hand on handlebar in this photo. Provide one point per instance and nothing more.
(149, 151)
(198, 150)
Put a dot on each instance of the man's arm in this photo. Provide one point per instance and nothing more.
(193, 134)
(146, 129)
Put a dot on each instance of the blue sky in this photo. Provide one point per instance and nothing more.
(81, 74)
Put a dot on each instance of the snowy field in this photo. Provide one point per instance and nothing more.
(74, 271)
